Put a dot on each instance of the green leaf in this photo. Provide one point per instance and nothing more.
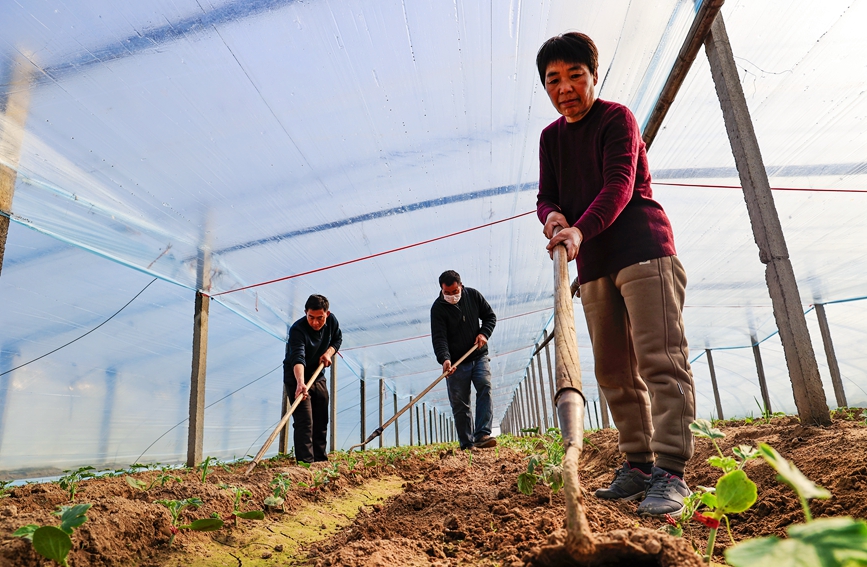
(735, 492)
(844, 537)
(789, 474)
(273, 501)
(204, 525)
(533, 463)
(135, 483)
(72, 516)
(526, 482)
(826, 542)
(709, 500)
(727, 464)
(26, 531)
(52, 543)
(745, 452)
(704, 428)
(252, 515)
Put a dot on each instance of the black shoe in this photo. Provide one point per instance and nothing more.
(665, 494)
(628, 484)
(485, 442)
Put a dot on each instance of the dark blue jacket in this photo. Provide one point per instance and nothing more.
(454, 328)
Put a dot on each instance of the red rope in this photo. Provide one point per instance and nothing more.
(373, 255)
(807, 189)
(427, 335)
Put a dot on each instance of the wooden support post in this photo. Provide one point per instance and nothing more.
(551, 380)
(363, 394)
(539, 384)
(418, 424)
(381, 403)
(833, 367)
(533, 390)
(200, 359)
(411, 428)
(13, 117)
(603, 407)
(767, 231)
(396, 423)
(544, 397)
(688, 51)
(333, 401)
(760, 371)
(433, 425)
(424, 420)
(713, 384)
(283, 440)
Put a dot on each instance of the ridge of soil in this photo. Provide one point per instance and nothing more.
(457, 508)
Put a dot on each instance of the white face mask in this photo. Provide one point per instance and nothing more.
(453, 299)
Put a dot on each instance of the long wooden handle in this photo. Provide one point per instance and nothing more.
(282, 423)
(569, 399)
(382, 427)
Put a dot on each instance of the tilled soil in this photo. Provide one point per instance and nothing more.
(457, 508)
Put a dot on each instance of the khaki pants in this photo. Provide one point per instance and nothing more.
(635, 319)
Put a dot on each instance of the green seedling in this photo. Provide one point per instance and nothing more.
(161, 479)
(177, 506)
(734, 492)
(545, 465)
(280, 487)
(318, 479)
(826, 542)
(691, 503)
(205, 467)
(353, 465)
(332, 471)
(5, 488)
(69, 482)
(53, 542)
(240, 494)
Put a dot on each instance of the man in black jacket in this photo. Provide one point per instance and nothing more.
(455, 328)
(313, 340)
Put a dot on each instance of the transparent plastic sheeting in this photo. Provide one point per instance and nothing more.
(281, 137)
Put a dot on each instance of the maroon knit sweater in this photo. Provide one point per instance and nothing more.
(595, 173)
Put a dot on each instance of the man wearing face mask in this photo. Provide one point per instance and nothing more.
(313, 340)
(459, 319)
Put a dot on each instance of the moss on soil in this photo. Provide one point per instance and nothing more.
(261, 541)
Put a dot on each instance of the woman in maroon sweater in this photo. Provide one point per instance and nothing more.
(594, 184)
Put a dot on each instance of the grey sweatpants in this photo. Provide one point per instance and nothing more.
(635, 319)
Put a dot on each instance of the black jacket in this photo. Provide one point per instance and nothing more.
(305, 346)
(454, 328)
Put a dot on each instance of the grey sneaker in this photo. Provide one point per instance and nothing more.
(628, 484)
(665, 494)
